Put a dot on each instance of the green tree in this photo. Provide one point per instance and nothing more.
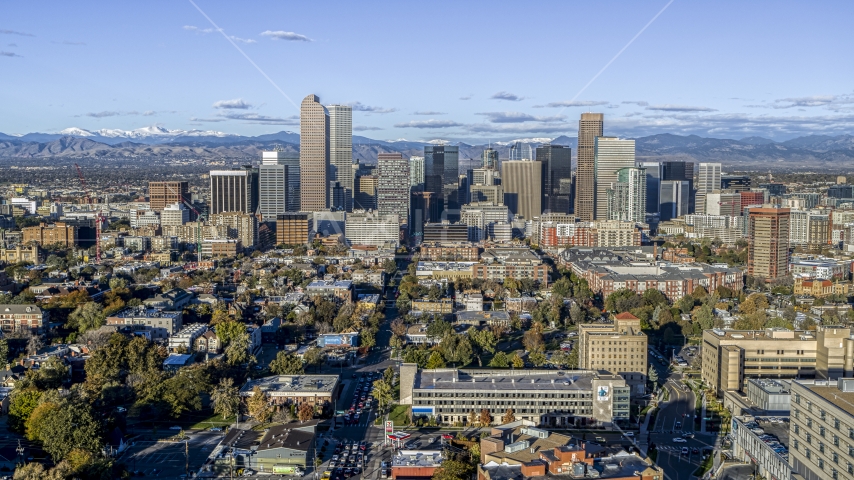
(40, 414)
(704, 317)
(685, 304)
(285, 364)
(622, 300)
(537, 357)
(435, 361)
(454, 470)
(229, 330)
(225, 398)
(483, 341)
(388, 376)
(562, 288)
(383, 392)
(456, 349)
(439, 328)
(21, 406)
(516, 361)
(653, 297)
(314, 356)
(572, 359)
(418, 356)
(4, 351)
(653, 377)
(71, 426)
(237, 351)
(88, 316)
(576, 314)
(390, 266)
(499, 360)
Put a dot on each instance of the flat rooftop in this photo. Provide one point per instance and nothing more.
(781, 334)
(545, 380)
(282, 384)
(417, 458)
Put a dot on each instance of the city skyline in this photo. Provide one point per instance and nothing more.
(173, 67)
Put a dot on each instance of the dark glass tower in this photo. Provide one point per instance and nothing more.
(441, 177)
(557, 173)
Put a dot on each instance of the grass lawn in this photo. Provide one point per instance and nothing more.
(399, 415)
(705, 466)
(213, 421)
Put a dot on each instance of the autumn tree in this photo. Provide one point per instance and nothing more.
(485, 418)
(508, 417)
(225, 398)
(257, 405)
(305, 412)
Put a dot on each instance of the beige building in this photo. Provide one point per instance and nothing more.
(731, 357)
(56, 234)
(768, 252)
(20, 253)
(523, 187)
(822, 428)
(620, 347)
(590, 126)
(241, 226)
(163, 194)
(293, 228)
(314, 154)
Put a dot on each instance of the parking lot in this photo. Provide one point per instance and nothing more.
(166, 459)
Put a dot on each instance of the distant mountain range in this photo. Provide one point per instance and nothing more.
(814, 150)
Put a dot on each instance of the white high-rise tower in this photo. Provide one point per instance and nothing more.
(341, 151)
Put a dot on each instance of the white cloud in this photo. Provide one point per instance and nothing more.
(235, 104)
(15, 32)
(428, 112)
(242, 40)
(282, 35)
(518, 117)
(506, 96)
(8, 54)
(359, 107)
(261, 119)
(639, 103)
(364, 128)
(679, 108)
(432, 123)
(574, 103)
(192, 28)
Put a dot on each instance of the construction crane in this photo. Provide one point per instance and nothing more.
(99, 217)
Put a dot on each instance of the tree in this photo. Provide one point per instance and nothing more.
(454, 470)
(685, 304)
(388, 376)
(229, 330)
(485, 418)
(653, 377)
(533, 341)
(704, 317)
(4, 351)
(305, 412)
(219, 316)
(237, 351)
(22, 403)
(499, 360)
(438, 329)
(537, 357)
(225, 398)
(34, 424)
(390, 266)
(508, 417)
(753, 302)
(653, 297)
(435, 361)
(257, 405)
(88, 316)
(314, 356)
(473, 417)
(383, 393)
(286, 364)
(622, 300)
(34, 344)
(572, 359)
(70, 426)
(516, 361)
(562, 288)
(456, 349)
(483, 340)
(576, 313)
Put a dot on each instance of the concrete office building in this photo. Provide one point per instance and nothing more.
(373, 228)
(627, 197)
(393, 188)
(772, 396)
(487, 193)
(620, 347)
(485, 176)
(293, 228)
(314, 154)
(341, 151)
(416, 173)
(523, 182)
(174, 215)
(163, 194)
(479, 216)
(708, 180)
(719, 202)
(544, 397)
(366, 192)
(611, 154)
(768, 250)
(234, 191)
(822, 429)
(590, 126)
(557, 169)
(731, 357)
(441, 177)
(278, 183)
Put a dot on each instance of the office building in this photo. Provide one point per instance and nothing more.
(840, 191)
(489, 159)
(59, 233)
(144, 218)
(679, 171)
(341, 151)
(487, 193)
(768, 250)
(708, 180)
(521, 151)
(557, 166)
(752, 198)
(366, 192)
(234, 191)
(485, 176)
(317, 390)
(313, 155)
(478, 216)
(445, 232)
(597, 343)
(726, 203)
(326, 223)
(293, 228)
(441, 177)
(675, 199)
(240, 226)
(654, 176)
(393, 188)
(278, 183)
(610, 155)
(590, 126)
(523, 181)
(544, 397)
(373, 228)
(174, 215)
(760, 442)
(627, 197)
(736, 183)
(822, 428)
(416, 173)
(163, 194)
(424, 207)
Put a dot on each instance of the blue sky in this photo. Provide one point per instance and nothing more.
(485, 71)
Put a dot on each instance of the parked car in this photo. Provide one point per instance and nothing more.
(679, 440)
(684, 450)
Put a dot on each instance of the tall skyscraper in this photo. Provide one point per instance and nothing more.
(341, 150)
(523, 187)
(627, 197)
(416, 173)
(313, 155)
(590, 126)
(441, 176)
(393, 188)
(234, 191)
(277, 189)
(521, 151)
(557, 163)
(768, 250)
(610, 155)
(163, 194)
(674, 199)
(708, 180)
(489, 158)
(654, 174)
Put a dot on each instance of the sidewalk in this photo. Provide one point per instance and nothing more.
(703, 416)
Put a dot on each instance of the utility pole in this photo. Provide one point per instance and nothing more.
(20, 451)
(187, 457)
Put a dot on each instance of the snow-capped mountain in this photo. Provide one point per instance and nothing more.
(145, 132)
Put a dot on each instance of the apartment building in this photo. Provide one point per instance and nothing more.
(56, 234)
(545, 397)
(731, 357)
(19, 318)
(161, 324)
(463, 251)
(620, 347)
(821, 432)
